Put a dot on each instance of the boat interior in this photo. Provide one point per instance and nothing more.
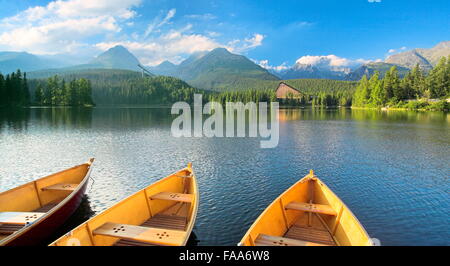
(23, 205)
(161, 214)
(307, 214)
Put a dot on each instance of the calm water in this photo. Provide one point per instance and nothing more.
(392, 169)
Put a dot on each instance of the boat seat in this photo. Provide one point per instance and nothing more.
(306, 233)
(19, 218)
(173, 196)
(142, 234)
(61, 187)
(172, 222)
(7, 229)
(310, 207)
(267, 240)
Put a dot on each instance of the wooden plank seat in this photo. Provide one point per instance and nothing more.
(7, 229)
(267, 240)
(61, 187)
(156, 236)
(306, 233)
(19, 218)
(310, 207)
(172, 222)
(173, 196)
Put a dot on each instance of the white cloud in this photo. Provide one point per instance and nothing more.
(374, 1)
(158, 22)
(324, 60)
(90, 26)
(265, 64)
(240, 46)
(207, 16)
(62, 26)
(391, 51)
(171, 46)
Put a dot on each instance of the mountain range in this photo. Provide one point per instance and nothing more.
(220, 69)
(214, 69)
(426, 58)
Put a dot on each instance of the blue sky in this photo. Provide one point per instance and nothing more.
(271, 32)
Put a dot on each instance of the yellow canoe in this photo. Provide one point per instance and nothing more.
(161, 214)
(30, 213)
(307, 214)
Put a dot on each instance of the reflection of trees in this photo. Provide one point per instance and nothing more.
(64, 116)
(131, 117)
(398, 116)
(14, 118)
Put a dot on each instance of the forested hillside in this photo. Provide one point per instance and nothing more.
(394, 91)
(110, 86)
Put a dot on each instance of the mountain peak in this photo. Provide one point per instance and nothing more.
(117, 57)
(220, 50)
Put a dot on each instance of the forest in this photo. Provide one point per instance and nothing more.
(115, 87)
(14, 90)
(57, 92)
(414, 91)
(124, 87)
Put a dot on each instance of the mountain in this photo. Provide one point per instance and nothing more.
(218, 69)
(426, 58)
(308, 71)
(166, 68)
(117, 57)
(370, 68)
(11, 61)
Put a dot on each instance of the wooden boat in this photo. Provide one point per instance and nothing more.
(307, 214)
(30, 213)
(161, 214)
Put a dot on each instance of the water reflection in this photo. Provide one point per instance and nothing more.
(370, 158)
(14, 118)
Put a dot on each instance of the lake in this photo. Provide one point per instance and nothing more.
(391, 168)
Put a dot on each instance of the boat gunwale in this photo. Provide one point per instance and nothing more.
(191, 224)
(111, 208)
(56, 208)
(277, 199)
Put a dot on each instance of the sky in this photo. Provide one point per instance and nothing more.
(275, 34)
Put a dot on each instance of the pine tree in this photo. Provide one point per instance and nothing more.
(377, 97)
(437, 80)
(361, 95)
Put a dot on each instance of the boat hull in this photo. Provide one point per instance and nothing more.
(46, 228)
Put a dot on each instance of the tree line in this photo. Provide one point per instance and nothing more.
(393, 91)
(14, 89)
(56, 91)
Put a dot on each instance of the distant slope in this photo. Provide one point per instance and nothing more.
(308, 86)
(426, 58)
(218, 70)
(117, 57)
(11, 61)
(74, 73)
(307, 71)
(115, 86)
(370, 68)
(166, 68)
